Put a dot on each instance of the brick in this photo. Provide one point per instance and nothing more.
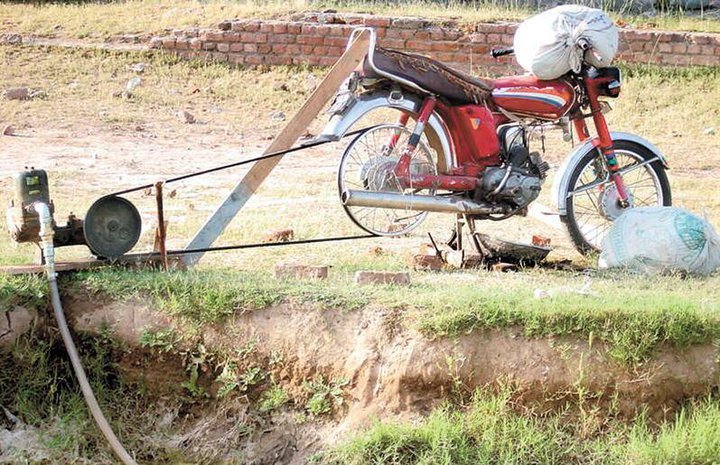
(407, 34)
(294, 271)
(700, 39)
(416, 44)
(704, 60)
(493, 39)
(382, 277)
(277, 60)
(320, 50)
(265, 27)
(252, 26)
(335, 41)
(393, 43)
(279, 49)
(377, 21)
(707, 50)
(254, 59)
(694, 49)
(292, 49)
(280, 28)
(477, 38)
(224, 47)
(409, 23)
(436, 33)
(664, 47)
(208, 46)
(427, 263)
(236, 58)
(335, 51)
(231, 36)
(264, 48)
(491, 28)
(507, 39)
(281, 38)
(444, 46)
(239, 47)
(294, 28)
(182, 44)
(310, 40)
(218, 56)
(306, 49)
(213, 36)
(168, 42)
(309, 29)
(679, 48)
(327, 61)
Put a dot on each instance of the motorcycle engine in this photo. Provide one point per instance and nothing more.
(519, 180)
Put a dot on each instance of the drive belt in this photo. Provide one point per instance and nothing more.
(233, 165)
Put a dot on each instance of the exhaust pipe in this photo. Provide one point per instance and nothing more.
(427, 203)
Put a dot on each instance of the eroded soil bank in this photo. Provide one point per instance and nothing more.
(395, 371)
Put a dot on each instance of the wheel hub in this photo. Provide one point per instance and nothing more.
(377, 174)
(609, 200)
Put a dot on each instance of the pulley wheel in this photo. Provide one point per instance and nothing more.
(112, 227)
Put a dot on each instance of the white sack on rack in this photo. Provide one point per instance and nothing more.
(546, 44)
(656, 240)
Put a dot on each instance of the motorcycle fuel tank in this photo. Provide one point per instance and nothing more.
(530, 96)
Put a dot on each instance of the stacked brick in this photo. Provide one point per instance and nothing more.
(318, 39)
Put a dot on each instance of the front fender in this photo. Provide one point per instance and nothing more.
(561, 183)
(436, 131)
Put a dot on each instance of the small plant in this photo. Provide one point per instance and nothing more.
(197, 360)
(230, 380)
(163, 340)
(273, 398)
(250, 377)
(325, 396)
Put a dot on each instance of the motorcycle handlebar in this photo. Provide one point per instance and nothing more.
(498, 52)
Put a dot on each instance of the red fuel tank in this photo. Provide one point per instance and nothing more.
(530, 96)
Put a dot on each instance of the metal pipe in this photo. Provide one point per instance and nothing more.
(46, 242)
(428, 203)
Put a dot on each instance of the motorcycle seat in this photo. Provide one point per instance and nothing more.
(430, 75)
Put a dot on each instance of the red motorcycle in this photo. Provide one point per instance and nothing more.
(461, 145)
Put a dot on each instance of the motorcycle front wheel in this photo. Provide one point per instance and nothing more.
(592, 199)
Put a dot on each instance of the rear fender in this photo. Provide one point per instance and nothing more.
(561, 183)
(435, 131)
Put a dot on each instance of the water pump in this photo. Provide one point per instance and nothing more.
(111, 227)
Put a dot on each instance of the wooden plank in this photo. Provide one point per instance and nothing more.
(239, 196)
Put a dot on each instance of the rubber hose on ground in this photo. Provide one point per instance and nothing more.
(82, 378)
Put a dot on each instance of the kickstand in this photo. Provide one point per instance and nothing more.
(479, 247)
(438, 253)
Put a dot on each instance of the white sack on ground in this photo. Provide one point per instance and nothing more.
(546, 44)
(661, 239)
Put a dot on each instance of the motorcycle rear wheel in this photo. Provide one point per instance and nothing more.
(592, 198)
(367, 164)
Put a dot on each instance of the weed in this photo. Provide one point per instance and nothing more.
(163, 340)
(324, 395)
(273, 398)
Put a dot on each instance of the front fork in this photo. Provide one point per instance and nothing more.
(605, 145)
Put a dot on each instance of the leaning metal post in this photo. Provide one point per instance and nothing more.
(221, 218)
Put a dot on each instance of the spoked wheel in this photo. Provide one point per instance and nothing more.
(368, 164)
(592, 203)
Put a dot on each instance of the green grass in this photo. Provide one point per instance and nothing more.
(634, 316)
(491, 431)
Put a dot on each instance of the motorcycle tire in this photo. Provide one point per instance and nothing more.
(602, 196)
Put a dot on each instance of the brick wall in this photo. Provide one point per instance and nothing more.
(319, 38)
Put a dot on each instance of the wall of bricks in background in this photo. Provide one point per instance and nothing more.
(318, 39)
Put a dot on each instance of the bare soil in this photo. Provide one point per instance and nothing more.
(395, 372)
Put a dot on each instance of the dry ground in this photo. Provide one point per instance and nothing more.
(93, 143)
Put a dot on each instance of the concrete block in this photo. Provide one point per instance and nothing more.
(382, 277)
